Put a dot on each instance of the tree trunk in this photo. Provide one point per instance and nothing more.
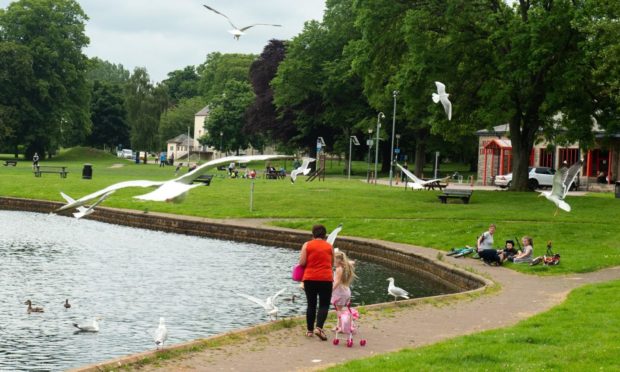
(522, 139)
(420, 158)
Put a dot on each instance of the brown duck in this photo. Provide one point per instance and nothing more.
(31, 309)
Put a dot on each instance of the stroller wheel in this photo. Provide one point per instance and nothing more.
(349, 343)
(336, 341)
(362, 342)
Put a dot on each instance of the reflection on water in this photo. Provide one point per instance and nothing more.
(131, 277)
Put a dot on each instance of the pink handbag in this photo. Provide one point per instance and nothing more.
(298, 272)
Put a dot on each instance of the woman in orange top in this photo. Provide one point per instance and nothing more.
(317, 256)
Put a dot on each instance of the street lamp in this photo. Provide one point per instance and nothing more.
(395, 94)
(221, 141)
(352, 140)
(379, 117)
(397, 153)
(369, 144)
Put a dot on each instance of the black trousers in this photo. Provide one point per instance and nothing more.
(489, 256)
(322, 290)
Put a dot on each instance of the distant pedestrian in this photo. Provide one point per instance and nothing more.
(35, 160)
(162, 159)
(176, 171)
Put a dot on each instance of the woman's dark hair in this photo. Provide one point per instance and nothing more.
(319, 231)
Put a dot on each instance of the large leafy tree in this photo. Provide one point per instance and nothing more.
(522, 64)
(262, 121)
(315, 82)
(100, 70)
(108, 116)
(219, 69)
(144, 104)
(53, 32)
(227, 116)
(182, 84)
(16, 81)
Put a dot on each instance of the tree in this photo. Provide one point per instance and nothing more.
(145, 104)
(262, 121)
(108, 116)
(523, 65)
(100, 70)
(219, 69)
(182, 84)
(16, 80)
(178, 118)
(226, 116)
(53, 32)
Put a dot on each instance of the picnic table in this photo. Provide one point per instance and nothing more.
(10, 162)
(435, 185)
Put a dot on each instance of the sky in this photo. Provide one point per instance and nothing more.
(167, 35)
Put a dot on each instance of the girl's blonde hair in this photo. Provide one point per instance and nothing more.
(348, 270)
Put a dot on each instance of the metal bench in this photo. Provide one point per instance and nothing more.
(462, 194)
(10, 162)
(205, 178)
(40, 169)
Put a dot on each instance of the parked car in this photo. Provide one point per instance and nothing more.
(537, 177)
(125, 154)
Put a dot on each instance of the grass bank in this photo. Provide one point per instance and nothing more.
(546, 342)
(587, 237)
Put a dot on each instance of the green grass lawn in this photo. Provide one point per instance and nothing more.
(550, 341)
(587, 237)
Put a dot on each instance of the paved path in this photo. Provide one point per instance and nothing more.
(388, 330)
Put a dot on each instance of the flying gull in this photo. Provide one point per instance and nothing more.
(268, 304)
(418, 183)
(236, 31)
(331, 238)
(442, 96)
(395, 291)
(173, 190)
(303, 169)
(562, 181)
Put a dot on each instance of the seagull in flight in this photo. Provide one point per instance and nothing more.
(418, 183)
(173, 190)
(268, 304)
(396, 291)
(83, 211)
(236, 31)
(161, 334)
(562, 181)
(304, 168)
(88, 327)
(442, 96)
(331, 238)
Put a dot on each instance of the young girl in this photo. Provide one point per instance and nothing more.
(343, 276)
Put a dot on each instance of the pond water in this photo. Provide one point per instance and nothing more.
(131, 277)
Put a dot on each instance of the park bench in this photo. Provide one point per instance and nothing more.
(10, 162)
(205, 178)
(40, 169)
(463, 194)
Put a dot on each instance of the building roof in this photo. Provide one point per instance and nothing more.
(497, 130)
(181, 138)
(500, 143)
(204, 112)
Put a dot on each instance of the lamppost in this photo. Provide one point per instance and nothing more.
(397, 153)
(352, 140)
(221, 141)
(369, 144)
(395, 94)
(379, 117)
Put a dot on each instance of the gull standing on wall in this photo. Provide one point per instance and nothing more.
(160, 335)
(236, 31)
(442, 96)
(562, 181)
(396, 291)
(173, 190)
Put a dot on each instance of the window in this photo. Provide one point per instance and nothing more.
(545, 158)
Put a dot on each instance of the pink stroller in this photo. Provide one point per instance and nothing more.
(347, 325)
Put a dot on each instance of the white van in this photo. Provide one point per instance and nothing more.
(125, 154)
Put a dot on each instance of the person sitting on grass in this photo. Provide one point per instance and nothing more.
(528, 250)
(485, 248)
(508, 252)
